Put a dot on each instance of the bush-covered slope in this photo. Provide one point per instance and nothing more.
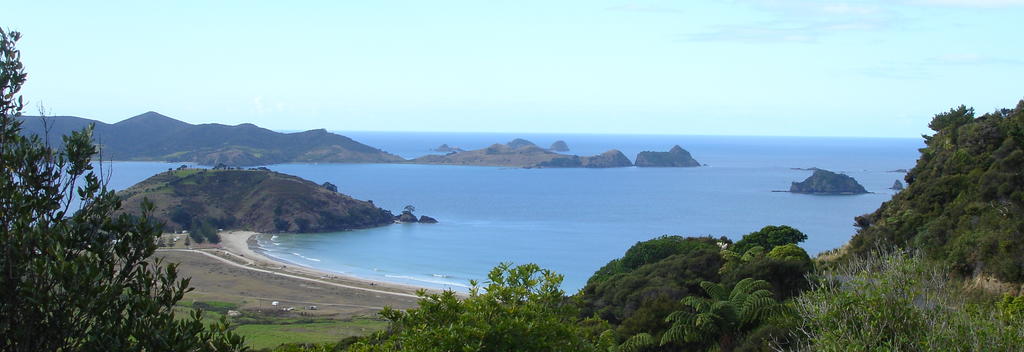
(964, 202)
(255, 200)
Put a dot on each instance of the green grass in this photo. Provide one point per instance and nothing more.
(265, 331)
(182, 312)
(260, 336)
(215, 306)
(185, 172)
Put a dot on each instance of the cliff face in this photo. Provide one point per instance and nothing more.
(254, 200)
(675, 157)
(827, 182)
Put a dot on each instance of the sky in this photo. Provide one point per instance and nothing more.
(872, 68)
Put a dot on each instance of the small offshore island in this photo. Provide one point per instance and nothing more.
(523, 153)
(675, 157)
(829, 183)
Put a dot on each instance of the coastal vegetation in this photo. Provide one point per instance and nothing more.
(963, 205)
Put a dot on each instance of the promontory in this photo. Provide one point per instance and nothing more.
(255, 200)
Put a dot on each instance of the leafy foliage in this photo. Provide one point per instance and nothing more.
(521, 309)
(721, 321)
(81, 281)
(668, 268)
(964, 203)
(768, 238)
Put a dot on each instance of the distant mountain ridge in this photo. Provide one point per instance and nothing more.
(155, 137)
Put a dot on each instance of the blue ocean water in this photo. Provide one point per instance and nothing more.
(573, 221)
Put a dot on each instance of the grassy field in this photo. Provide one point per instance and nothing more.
(264, 330)
(220, 288)
(265, 336)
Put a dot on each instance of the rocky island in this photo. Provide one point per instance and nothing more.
(155, 137)
(523, 153)
(559, 146)
(445, 148)
(897, 186)
(675, 157)
(827, 182)
(252, 200)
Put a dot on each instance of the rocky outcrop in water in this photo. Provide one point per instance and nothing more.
(611, 158)
(559, 146)
(520, 143)
(897, 186)
(827, 182)
(445, 148)
(675, 157)
(523, 153)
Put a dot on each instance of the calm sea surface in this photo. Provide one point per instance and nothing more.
(573, 221)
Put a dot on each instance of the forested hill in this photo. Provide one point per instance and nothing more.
(964, 203)
(255, 200)
(155, 137)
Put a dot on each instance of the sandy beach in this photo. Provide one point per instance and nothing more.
(241, 247)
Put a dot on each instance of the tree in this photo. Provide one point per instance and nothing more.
(521, 309)
(954, 118)
(409, 209)
(721, 321)
(769, 237)
(79, 280)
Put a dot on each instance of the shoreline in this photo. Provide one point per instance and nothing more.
(243, 245)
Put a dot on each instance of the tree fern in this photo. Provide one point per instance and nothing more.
(718, 322)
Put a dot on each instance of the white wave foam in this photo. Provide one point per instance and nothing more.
(305, 257)
(436, 282)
